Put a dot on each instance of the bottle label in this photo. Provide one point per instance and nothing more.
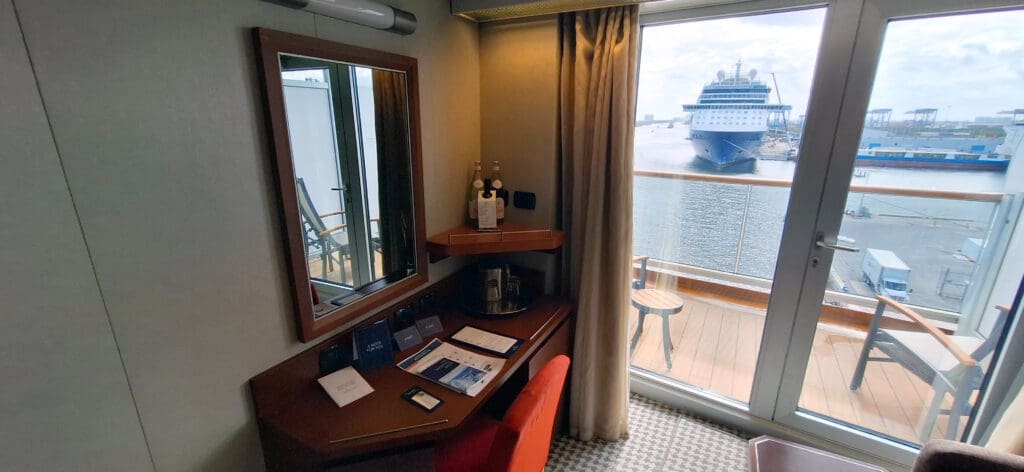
(487, 212)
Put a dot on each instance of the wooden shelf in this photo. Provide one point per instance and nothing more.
(465, 241)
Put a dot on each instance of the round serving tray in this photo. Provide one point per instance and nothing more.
(498, 309)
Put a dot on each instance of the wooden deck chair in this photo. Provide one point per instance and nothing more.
(950, 364)
(329, 240)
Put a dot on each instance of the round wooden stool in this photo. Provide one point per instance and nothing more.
(657, 302)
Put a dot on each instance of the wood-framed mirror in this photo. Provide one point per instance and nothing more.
(345, 129)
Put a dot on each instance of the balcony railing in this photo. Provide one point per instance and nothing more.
(729, 227)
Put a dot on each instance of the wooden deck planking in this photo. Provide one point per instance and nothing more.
(686, 346)
(847, 352)
(723, 369)
(707, 346)
(812, 396)
(316, 269)
(716, 348)
(837, 391)
(748, 341)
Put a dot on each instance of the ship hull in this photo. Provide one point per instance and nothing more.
(726, 148)
(929, 163)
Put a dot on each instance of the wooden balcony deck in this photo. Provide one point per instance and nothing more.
(716, 342)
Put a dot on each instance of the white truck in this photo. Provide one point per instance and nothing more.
(886, 274)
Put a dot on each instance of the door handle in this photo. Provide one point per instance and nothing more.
(834, 246)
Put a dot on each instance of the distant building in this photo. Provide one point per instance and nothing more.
(993, 120)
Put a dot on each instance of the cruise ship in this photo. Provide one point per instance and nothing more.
(730, 118)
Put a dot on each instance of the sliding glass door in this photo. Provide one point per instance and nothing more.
(719, 117)
(916, 212)
(862, 295)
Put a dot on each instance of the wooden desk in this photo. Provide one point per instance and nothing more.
(302, 429)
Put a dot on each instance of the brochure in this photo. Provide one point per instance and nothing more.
(453, 367)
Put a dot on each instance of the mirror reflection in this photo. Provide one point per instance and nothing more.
(348, 128)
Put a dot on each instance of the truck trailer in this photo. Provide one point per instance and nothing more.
(886, 274)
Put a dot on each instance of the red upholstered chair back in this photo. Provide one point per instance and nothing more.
(524, 437)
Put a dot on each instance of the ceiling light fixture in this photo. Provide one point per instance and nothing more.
(362, 12)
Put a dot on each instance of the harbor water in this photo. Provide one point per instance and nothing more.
(737, 228)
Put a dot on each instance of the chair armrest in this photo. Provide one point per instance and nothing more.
(331, 230)
(940, 455)
(962, 356)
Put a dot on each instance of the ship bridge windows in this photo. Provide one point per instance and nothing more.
(931, 155)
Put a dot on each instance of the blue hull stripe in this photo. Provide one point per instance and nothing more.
(725, 148)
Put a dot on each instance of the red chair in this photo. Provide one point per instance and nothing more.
(518, 443)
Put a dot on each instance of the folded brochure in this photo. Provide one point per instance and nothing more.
(453, 367)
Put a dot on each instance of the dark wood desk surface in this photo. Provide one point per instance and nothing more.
(301, 427)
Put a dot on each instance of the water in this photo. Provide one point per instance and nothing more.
(700, 223)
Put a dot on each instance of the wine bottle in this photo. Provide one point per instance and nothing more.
(475, 186)
(502, 195)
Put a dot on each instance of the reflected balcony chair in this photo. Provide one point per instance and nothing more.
(653, 301)
(951, 364)
(328, 240)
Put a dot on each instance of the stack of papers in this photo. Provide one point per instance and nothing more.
(453, 367)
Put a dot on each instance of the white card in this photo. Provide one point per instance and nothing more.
(487, 212)
(490, 341)
(345, 386)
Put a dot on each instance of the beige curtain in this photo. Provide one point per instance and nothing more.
(599, 51)
(1008, 435)
(391, 108)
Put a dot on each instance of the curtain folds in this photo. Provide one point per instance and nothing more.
(597, 87)
(391, 105)
(1008, 435)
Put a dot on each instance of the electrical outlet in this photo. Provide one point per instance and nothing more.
(525, 200)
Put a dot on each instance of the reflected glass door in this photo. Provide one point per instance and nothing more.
(916, 297)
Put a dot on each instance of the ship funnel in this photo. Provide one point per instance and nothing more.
(752, 73)
(721, 75)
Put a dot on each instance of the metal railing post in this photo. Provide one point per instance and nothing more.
(743, 230)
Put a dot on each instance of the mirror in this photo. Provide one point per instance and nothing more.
(345, 127)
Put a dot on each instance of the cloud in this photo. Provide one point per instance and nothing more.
(965, 65)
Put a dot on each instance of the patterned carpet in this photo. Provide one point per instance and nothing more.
(661, 438)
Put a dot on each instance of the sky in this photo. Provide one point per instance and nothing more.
(965, 66)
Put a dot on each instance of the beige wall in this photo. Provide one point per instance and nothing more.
(519, 116)
(157, 125)
(64, 399)
(519, 104)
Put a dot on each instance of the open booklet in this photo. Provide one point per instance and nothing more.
(453, 367)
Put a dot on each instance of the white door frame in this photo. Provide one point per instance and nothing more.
(843, 81)
(874, 17)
